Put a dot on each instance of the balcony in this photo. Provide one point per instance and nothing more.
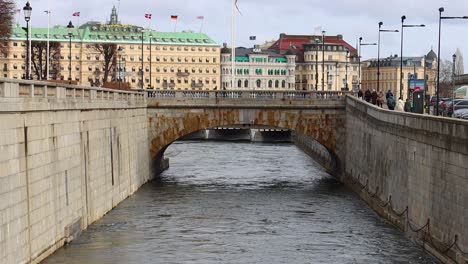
(183, 74)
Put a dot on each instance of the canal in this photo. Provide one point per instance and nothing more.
(241, 203)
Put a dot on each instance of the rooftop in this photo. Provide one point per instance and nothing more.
(104, 33)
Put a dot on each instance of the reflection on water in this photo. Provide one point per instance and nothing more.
(241, 203)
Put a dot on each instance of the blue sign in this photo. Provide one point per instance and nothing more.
(418, 84)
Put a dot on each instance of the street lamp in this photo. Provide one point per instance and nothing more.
(27, 9)
(119, 52)
(438, 54)
(70, 35)
(316, 63)
(323, 61)
(378, 53)
(142, 59)
(359, 57)
(346, 76)
(151, 81)
(401, 53)
(454, 56)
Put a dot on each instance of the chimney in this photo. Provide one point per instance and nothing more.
(339, 37)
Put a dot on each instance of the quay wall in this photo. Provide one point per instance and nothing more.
(413, 170)
(67, 157)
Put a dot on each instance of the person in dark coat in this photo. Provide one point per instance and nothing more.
(367, 95)
(407, 107)
(374, 97)
(360, 94)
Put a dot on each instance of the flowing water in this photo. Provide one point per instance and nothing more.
(241, 203)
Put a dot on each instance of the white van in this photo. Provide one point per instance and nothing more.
(461, 93)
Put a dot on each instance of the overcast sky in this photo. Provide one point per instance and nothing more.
(266, 19)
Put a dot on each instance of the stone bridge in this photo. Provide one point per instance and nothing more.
(69, 154)
(318, 115)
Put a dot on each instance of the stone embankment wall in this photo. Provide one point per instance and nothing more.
(315, 150)
(413, 170)
(67, 157)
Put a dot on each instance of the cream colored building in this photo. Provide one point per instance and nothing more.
(413, 74)
(258, 69)
(340, 67)
(321, 57)
(179, 60)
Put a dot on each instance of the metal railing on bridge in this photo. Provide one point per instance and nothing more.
(247, 94)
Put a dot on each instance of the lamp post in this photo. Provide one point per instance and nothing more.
(150, 60)
(27, 9)
(119, 52)
(323, 61)
(438, 55)
(346, 76)
(454, 57)
(142, 59)
(403, 18)
(378, 53)
(70, 35)
(316, 63)
(359, 57)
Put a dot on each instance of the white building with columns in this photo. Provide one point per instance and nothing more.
(257, 69)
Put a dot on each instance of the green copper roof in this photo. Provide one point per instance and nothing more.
(94, 32)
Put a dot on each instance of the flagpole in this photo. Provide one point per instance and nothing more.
(29, 53)
(48, 40)
(233, 45)
(175, 26)
(201, 28)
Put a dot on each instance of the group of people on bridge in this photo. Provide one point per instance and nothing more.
(379, 98)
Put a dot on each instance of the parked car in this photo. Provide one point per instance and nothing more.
(450, 106)
(461, 113)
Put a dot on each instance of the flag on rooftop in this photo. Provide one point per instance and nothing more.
(148, 16)
(77, 14)
(174, 17)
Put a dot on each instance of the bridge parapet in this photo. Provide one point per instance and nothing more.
(246, 98)
(24, 95)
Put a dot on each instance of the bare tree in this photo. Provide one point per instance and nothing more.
(7, 11)
(109, 52)
(446, 76)
(39, 59)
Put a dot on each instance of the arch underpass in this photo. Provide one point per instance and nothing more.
(323, 122)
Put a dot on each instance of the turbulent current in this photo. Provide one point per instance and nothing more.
(241, 203)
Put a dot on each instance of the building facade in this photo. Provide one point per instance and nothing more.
(257, 69)
(322, 62)
(171, 60)
(413, 74)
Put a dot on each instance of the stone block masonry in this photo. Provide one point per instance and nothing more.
(64, 168)
(413, 170)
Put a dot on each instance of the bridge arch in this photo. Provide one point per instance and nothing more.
(327, 127)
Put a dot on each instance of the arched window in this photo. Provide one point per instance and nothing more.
(270, 83)
(259, 83)
(283, 84)
(239, 84)
(276, 84)
(246, 83)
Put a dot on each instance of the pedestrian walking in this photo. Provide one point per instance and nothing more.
(367, 95)
(374, 97)
(360, 94)
(407, 106)
(391, 102)
(400, 105)
(380, 99)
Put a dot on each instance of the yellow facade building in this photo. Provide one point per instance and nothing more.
(413, 74)
(171, 60)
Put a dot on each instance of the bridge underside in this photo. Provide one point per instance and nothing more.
(327, 126)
